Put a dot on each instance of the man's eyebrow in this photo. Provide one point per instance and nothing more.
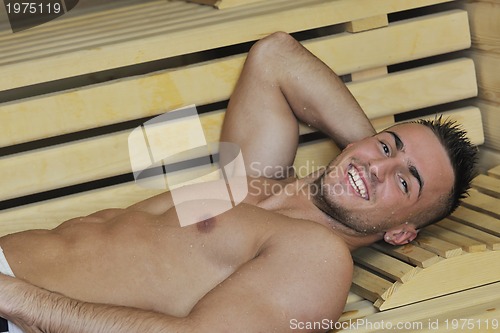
(414, 172)
(399, 144)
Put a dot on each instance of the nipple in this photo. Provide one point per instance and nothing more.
(206, 225)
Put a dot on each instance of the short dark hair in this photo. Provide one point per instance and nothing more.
(463, 158)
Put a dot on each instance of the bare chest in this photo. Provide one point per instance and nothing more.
(152, 262)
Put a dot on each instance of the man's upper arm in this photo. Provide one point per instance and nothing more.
(302, 282)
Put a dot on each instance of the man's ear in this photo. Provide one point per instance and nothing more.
(401, 235)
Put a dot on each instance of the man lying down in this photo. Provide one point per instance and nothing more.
(279, 257)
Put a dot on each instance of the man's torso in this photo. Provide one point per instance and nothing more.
(150, 261)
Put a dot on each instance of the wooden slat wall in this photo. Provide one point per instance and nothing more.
(485, 31)
(77, 162)
(213, 81)
(161, 29)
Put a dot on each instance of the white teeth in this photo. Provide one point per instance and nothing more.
(357, 182)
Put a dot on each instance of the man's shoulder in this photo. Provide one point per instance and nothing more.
(314, 236)
(318, 268)
(313, 246)
(282, 234)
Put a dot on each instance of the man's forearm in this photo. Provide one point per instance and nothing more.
(38, 310)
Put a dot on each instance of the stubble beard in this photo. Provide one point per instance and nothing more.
(343, 218)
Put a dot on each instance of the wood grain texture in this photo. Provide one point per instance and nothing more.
(477, 304)
(140, 34)
(213, 81)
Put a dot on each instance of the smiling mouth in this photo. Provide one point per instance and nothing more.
(356, 182)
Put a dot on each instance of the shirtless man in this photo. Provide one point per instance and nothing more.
(278, 256)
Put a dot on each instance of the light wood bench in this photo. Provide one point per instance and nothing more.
(65, 154)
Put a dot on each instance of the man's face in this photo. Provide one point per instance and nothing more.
(386, 180)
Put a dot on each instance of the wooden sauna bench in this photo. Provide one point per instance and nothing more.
(63, 140)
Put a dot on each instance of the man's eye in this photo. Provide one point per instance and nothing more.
(404, 184)
(386, 149)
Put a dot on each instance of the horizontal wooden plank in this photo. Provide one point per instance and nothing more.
(485, 27)
(491, 241)
(488, 158)
(369, 285)
(491, 122)
(409, 253)
(214, 81)
(494, 172)
(369, 73)
(367, 23)
(388, 266)
(403, 88)
(477, 220)
(483, 203)
(135, 40)
(466, 243)
(415, 39)
(487, 185)
(436, 245)
(487, 64)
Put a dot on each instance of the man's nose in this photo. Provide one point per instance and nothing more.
(380, 168)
